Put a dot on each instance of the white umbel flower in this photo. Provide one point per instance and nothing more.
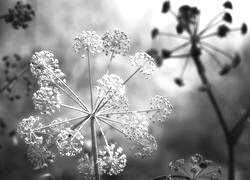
(47, 99)
(111, 160)
(116, 42)
(144, 62)
(88, 40)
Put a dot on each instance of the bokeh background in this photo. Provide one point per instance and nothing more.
(192, 127)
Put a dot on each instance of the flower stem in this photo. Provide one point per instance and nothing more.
(74, 108)
(70, 90)
(94, 148)
(227, 134)
(90, 80)
(110, 60)
(138, 69)
(231, 162)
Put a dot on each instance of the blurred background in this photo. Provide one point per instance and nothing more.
(192, 127)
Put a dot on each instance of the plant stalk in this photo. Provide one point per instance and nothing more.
(230, 146)
(94, 148)
(231, 162)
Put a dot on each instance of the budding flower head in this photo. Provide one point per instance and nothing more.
(116, 42)
(196, 168)
(111, 160)
(143, 61)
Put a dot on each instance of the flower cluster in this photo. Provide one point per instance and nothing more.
(110, 108)
(143, 61)
(112, 161)
(116, 42)
(195, 39)
(196, 168)
(20, 15)
(47, 99)
(88, 40)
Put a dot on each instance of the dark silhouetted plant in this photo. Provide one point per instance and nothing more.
(19, 16)
(195, 43)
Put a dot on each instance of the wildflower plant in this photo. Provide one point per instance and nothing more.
(196, 44)
(108, 107)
